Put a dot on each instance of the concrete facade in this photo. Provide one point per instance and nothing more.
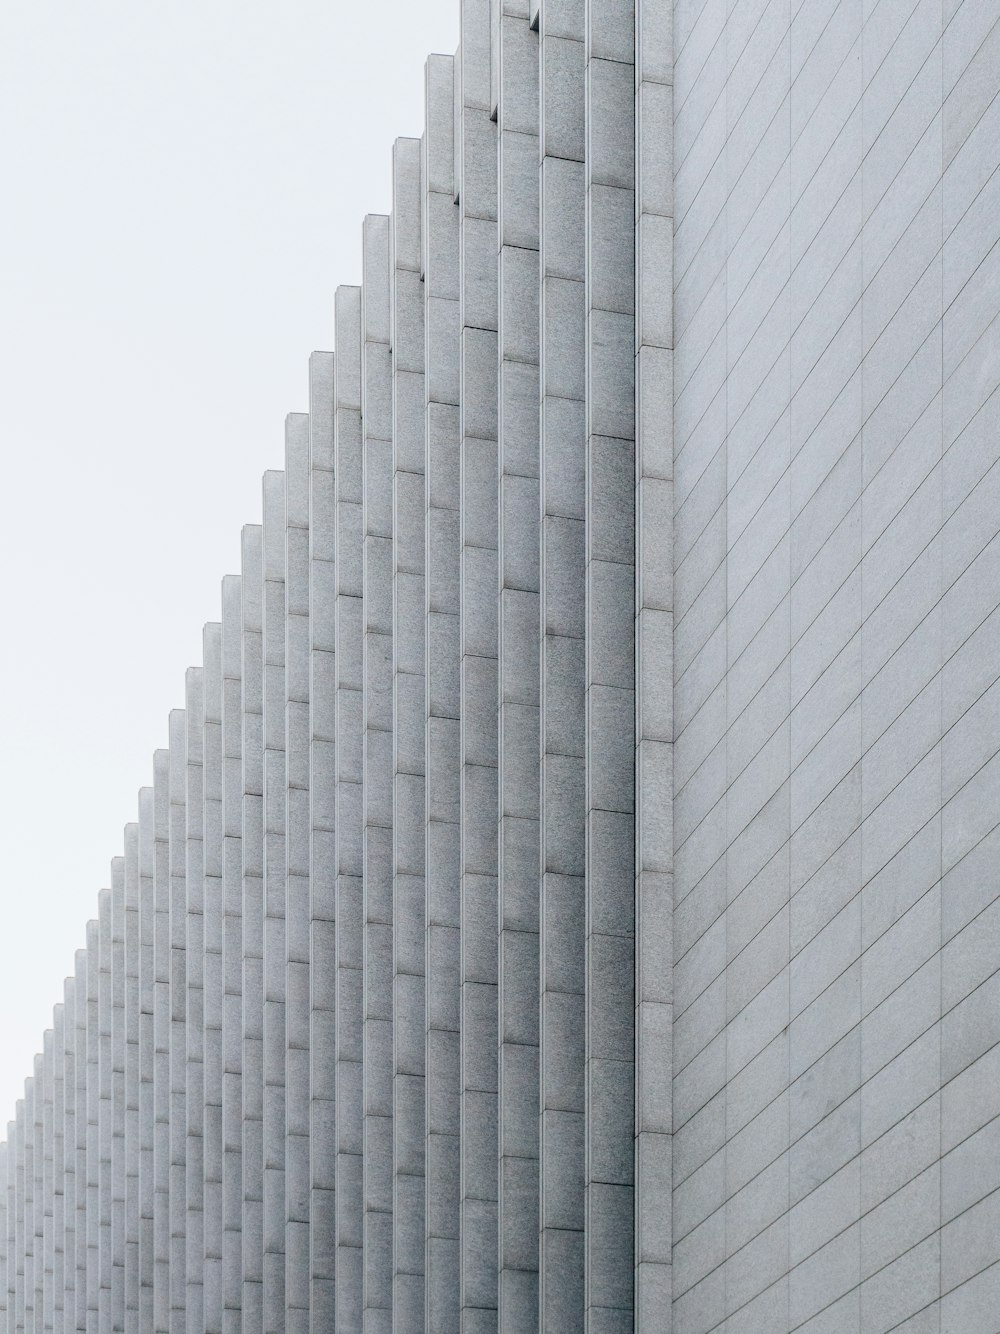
(568, 900)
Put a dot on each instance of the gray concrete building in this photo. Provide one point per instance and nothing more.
(569, 899)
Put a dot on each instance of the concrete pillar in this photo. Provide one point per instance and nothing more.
(232, 953)
(177, 848)
(442, 727)
(34, 1269)
(408, 882)
(105, 1116)
(212, 983)
(118, 1103)
(654, 662)
(349, 799)
(562, 357)
(66, 1318)
(118, 1096)
(161, 1043)
(273, 622)
(48, 1177)
(19, 1216)
(77, 1317)
(323, 850)
(90, 1215)
(131, 1099)
(252, 751)
(610, 541)
(194, 953)
(297, 846)
(376, 413)
(8, 1168)
(58, 1167)
(146, 1052)
(478, 619)
(518, 670)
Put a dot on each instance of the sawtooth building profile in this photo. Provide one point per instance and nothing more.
(570, 897)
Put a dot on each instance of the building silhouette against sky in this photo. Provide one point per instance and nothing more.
(569, 899)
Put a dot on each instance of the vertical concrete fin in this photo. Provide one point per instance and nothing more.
(376, 411)
(478, 647)
(654, 624)
(322, 867)
(252, 850)
(610, 601)
(408, 764)
(442, 577)
(161, 1041)
(349, 802)
(177, 855)
(275, 958)
(232, 951)
(562, 358)
(212, 982)
(194, 951)
(118, 1050)
(296, 1205)
(518, 506)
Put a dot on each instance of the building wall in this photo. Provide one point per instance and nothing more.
(568, 900)
(836, 712)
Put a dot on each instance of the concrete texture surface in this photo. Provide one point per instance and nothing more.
(568, 899)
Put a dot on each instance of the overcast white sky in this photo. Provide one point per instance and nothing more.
(183, 186)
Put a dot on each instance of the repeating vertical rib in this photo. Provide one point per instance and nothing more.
(478, 621)
(212, 989)
(518, 654)
(296, 1204)
(48, 1158)
(252, 845)
(194, 949)
(66, 1320)
(6, 1240)
(161, 1041)
(176, 1127)
(105, 1121)
(118, 1097)
(610, 527)
(92, 1209)
(58, 1167)
(131, 1107)
(407, 574)
(273, 621)
(654, 661)
(440, 264)
(322, 771)
(232, 953)
(349, 805)
(23, 1206)
(562, 357)
(376, 414)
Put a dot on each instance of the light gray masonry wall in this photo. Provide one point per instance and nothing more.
(568, 900)
(836, 540)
